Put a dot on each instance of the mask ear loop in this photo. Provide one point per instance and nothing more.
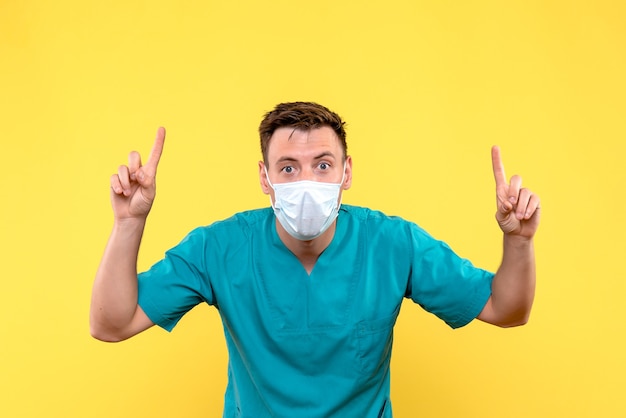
(341, 185)
(343, 177)
(267, 177)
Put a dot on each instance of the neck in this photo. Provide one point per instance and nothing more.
(307, 252)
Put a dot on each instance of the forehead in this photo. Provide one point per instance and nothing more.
(298, 143)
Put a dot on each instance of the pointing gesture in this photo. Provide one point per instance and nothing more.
(518, 208)
(133, 188)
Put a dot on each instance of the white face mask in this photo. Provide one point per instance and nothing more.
(306, 208)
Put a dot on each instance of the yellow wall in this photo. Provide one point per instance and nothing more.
(426, 88)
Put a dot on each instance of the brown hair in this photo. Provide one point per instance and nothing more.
(302, 116)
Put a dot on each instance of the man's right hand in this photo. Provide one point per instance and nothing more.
(133, 188)
(115, 314)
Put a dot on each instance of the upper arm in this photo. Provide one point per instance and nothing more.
(487, 314)
(139, 323)
(491, 316)
(445, 284)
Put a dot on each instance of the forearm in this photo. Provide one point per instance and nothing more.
(513, 287)
(114, 295)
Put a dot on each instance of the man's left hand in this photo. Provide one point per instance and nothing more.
(518, 210)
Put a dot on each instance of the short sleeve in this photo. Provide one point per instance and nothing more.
(443, 283)
(177, 283)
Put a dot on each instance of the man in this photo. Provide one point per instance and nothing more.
(309, 289)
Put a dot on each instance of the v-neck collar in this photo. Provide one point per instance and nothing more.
(339, 235)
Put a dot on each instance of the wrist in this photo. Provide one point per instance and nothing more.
(129, 224)
(519, 241)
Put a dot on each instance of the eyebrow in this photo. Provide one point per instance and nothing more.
(317, 157)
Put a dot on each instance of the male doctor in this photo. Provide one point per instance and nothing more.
(308, 289)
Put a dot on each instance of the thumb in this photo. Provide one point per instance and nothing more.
(507, 222)
(504, 208)
(145, 179)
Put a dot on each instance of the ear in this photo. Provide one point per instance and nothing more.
(347, 181)
(265, 187)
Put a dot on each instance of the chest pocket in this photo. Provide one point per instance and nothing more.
(375, 339)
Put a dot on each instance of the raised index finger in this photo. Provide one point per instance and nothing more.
(157, 150)
(498, 168)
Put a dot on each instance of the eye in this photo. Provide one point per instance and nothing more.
(324, 166)
(288, 169)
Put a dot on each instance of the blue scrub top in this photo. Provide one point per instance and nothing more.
(315, 345)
